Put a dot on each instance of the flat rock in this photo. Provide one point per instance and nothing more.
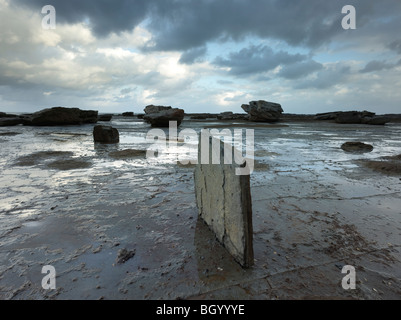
(155, 109)
(163, 118)
(61, 116)
(357, 147)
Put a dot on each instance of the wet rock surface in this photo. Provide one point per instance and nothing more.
(106, 134)
(60, 116)
(263, 111)
(316, 208)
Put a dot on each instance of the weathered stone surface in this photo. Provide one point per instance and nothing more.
(61, 116)
(163, 118)
(105, 117)
(357, 147)
(106, 134)
(10, 122)
(263, 111)
(224, 202)
(155, 109)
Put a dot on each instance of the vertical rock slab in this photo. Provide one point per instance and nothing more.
(225, 205)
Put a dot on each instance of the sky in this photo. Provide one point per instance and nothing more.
(200, 55)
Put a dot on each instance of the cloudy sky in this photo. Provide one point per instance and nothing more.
(200, 55)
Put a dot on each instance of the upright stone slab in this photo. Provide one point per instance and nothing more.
(224, 203)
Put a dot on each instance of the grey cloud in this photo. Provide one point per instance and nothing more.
(396, 46)
(256, 59)
(327, 77)
(301, 69)
(193, 55)
(376, 65)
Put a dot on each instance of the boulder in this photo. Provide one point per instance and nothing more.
(357, 147)
(353, 117)
(105, 117)
(163, 118)
(61, 116)
(263, 111)
(155, 109)
(106, 134)
(327, 116)
(10, 122)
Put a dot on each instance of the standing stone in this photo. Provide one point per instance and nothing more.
(106, 134)
(225, 205)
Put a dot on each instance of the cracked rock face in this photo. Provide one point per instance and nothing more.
(224, 203)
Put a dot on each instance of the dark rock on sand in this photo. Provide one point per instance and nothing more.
(105, 117)
(163, 118)
(106, 134)
(61, 116)
(128, 114)
(386, 165)
(263, 111)
(357, 147)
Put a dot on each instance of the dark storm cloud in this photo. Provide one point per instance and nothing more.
(327, 77)
(185, 24)
(257, 59)
(396, 46)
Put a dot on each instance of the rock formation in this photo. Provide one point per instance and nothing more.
(61, 116)
(159, 116)
(263, 111)
(357, 147)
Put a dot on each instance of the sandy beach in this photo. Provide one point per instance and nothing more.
(68, 203)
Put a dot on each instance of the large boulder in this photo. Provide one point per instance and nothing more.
(155, 109)
(106, 134)
(163, 118)
(263, 111)
(62, 116)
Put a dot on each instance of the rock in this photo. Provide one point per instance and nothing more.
(127, 154)
(7, 115)
(124, 255)
(376, 120)
(10, 122)
(106, 134)
(232, 116)
(61, 116)
(163, 118)
(203, 116)
(357, 147)
(225, 205)
(327, 116)
(155, 109)
(128, 114)
(105, 117)
(353, 117)
(263, 111)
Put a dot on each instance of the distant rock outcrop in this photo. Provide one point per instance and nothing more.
(232, 116)
(61, 116)
(105, 117)
(106, 134)
(263, 111)
(353, 117)
(159, 116)
(10, 122)
(128, 114)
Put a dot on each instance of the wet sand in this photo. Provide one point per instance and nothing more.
(315, 209)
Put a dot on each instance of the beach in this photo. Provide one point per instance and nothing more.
(81, 207)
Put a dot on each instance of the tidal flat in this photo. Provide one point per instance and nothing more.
(116, 225)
